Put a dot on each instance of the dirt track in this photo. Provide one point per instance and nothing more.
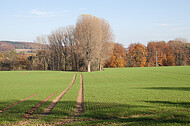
(31, 111)
(80, 99)
(55, 101)
(17, 103)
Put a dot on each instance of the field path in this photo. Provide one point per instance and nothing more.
(56, 100)
(31, 111)
(17, 103)
(80, 99)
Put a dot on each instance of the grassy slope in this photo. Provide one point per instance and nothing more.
(65, 108)
(138, 96)
(17, 85)
(135, 96)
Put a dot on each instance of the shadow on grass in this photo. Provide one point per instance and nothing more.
(169, 103)
(135, 121)
(14, 113)
(170, 88)
(95, 113)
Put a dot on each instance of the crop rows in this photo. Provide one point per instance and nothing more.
(28, 107)
(131, 94)
(66, 107)
(127, 96)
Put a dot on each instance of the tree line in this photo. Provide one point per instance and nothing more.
(89, 46)
(173, 53)
(82, 47)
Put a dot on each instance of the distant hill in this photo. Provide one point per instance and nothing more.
(28, 47)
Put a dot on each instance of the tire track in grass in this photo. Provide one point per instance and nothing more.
(56, 100)
(50, 107)
(31, 111)
(26, 73)
(80, 99)
(17, 103)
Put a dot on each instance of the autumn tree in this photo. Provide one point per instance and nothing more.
(1, 60)
(23, 62)
(118, 57)
(136, 55)
(165, 56)
(9, 61)
(181, 51)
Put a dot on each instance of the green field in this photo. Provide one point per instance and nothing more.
(115, 96)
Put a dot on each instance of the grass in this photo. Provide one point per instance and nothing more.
(17, 85)
(65, 108)
(116, 96)
(150, 95)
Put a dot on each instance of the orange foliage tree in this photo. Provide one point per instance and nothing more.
(164, 54)
(118, 58)
(23, 61)
(136, 55)
(181, 52)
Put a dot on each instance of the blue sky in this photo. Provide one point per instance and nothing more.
(131, 20)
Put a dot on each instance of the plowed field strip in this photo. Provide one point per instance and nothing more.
(56, 100)
(31, 111)
(17, 103)
(80, 99)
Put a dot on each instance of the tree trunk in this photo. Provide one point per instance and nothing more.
(44, 61)
(65, 62)
(88, 66)
(100, 65)
(72, 57)
(58, 62)
(76, 62)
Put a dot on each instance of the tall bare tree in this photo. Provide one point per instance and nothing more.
(77, 48)
(68, 42)
(106, 43)
(56, 46)
(88, 36)
(43, 47)
(61, 42)
(69, 37)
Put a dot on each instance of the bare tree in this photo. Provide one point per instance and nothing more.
(61, 42)
(68, 42)
(106, 45)
(76, 48)
(56, 46)
(88, 36)
(184, 40)
(69, 37)
(43, 47)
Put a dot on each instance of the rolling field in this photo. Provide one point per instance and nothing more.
(116, 96)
